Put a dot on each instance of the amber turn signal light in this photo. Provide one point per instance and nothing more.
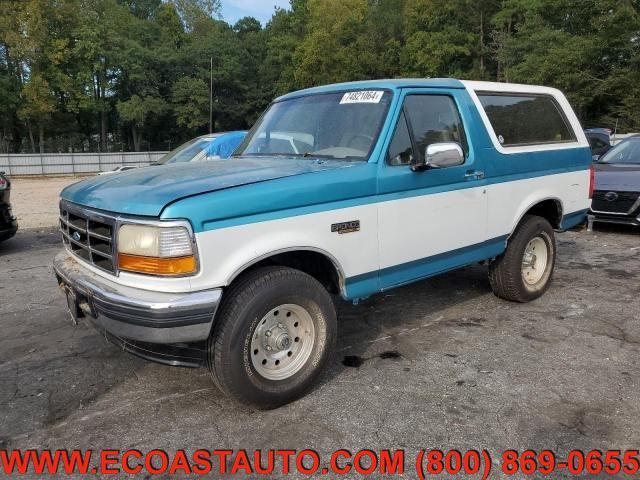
(157, 266)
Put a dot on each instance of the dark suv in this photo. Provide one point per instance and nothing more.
(599, 141)
(616, 198)
(8, 223)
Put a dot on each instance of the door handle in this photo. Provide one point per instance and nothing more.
(474, 175)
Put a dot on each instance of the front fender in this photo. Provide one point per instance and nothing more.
(226, 252)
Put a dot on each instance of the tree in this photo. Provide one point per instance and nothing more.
(284, 33)
(100, 41)
(36, 53)
(99, 74)
(137, 111)
(11, 78)
(143, 9)
(194, 11)
(587, 48)
(256, 92)
(191, 102)
(38, 105)
(327, 53)
(442, 42)
(215, 40)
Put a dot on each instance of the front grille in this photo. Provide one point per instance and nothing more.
(89, 235)
(623, 204)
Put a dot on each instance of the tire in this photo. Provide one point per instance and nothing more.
(524, 271)
(267, 370)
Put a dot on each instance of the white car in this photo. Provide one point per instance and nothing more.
(121, 168)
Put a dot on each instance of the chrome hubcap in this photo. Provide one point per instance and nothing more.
(282, 342)
(534, 260)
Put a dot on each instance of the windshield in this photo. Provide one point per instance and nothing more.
(333, 125)
(193, 150)
(627, 152)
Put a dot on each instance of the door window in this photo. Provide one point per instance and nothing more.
(434, 119)
(401, 149)
(428, 119)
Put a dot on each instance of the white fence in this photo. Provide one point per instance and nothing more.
(72, 163)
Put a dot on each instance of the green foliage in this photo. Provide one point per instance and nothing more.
(284, 33)
(329, 51)
(38, 103)
(120, 74)
(193, 12)
(137, 109)
(191, 102)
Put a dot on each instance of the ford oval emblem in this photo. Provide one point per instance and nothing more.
(76, 236)
(611, 196)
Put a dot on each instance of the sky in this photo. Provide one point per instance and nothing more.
(233, 10)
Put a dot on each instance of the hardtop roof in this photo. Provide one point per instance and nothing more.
(387, 84)
(395, 84)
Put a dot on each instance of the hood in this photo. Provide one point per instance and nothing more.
(146, 191)
(617, 177)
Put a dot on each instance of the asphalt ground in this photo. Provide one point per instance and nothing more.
(442, 363)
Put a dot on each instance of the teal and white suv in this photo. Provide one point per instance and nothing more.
(348, 189)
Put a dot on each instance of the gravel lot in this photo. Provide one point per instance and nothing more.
(466, 370)
(35, 200)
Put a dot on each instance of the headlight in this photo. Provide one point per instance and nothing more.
(156, 250)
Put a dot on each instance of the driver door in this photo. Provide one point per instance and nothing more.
(433, 220)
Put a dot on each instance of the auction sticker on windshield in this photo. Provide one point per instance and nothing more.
(364, 96)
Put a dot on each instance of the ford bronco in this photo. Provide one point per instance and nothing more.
(347, 190)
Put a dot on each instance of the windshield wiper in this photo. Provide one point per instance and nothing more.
(287, 155)
(315, 155)
(298, 155)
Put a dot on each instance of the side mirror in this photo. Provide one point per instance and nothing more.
(595, 158)
(441, 155)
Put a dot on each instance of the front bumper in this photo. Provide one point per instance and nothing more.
(617, 219)
(141, 321)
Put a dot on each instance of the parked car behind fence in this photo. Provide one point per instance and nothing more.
(121, 168)
(207, 147)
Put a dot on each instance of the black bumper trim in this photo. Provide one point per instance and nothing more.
(616, 219)
(173, 355)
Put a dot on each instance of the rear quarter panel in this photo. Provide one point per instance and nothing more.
(519, 177)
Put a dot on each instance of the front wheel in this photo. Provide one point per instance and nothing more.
(273, 337)
(524, 271)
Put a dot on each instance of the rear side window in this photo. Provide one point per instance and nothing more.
(520, 119)
(595, 142)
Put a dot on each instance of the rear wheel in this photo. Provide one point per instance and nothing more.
(524, 271)
(273, 337)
